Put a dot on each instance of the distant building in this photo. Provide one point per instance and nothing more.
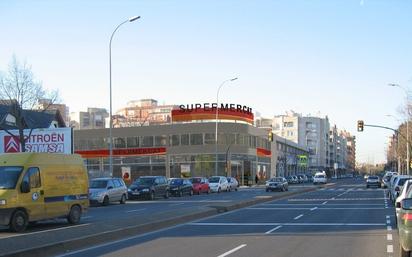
(350, 150)
(143, 112)
(46, 104)
(309, 132)
(94, 118)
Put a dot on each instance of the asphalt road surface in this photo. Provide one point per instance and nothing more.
(346, 220)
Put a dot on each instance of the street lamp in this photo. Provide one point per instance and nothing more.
(407, 125)
(131, 19)
(217, 114)
(397, 143)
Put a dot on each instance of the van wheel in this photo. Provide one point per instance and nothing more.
(123, 200)
(105, 201)
(74, 215)
(19, 221)
(404, 253)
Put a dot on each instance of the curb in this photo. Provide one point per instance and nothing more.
(113, 235)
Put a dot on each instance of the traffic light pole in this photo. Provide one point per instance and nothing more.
(406, 139)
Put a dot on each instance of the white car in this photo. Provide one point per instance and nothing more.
(405, 189)
(218, 184)
(397, 186)
(320, 179)
(233, 183)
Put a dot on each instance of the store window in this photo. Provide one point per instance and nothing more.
(119, 142)
(147, 141)
(196, 139)
(132, 141)
(175, 140)
(184, 139)
(161, 140)
(209, 138)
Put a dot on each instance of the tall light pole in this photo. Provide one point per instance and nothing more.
(407, 125)
(397, 144)
(217, 116)
(131, 19)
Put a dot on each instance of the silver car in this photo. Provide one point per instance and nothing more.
(107, 190)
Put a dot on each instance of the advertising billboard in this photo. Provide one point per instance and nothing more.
(53, 140)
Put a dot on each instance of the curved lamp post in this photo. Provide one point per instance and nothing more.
(131, 19)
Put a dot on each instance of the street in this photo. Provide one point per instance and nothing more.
(344, 220)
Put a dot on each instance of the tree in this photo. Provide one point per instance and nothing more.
(20, 91)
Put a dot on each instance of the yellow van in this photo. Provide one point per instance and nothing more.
(40, 186)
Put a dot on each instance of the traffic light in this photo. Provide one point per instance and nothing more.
(270, 136)
(360, 125)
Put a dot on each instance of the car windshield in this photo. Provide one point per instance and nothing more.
(214, 180)
(9, 176)
(195, 180)
(176, 182)
(276, 180)
(143, 181)
(98, 184)
(402, 181)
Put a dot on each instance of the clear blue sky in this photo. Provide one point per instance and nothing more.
(332, 57)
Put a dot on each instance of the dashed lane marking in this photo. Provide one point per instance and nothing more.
(142, 209)
(338, 199)
(389, 237)
(232, 251)
(273, 229)
(389, 228)
(314, 208)
(298, 217)
(283, 224)
(389, 248)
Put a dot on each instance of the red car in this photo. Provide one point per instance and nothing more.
(200, 185)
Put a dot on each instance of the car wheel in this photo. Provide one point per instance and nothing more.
(218, 190)
(283, 189)
(180, 193)
(19, 221)
(367, 186)
(106, 201)
(152, 196)
(267, 190)
(74, 215)
(198, 192)
(208, 191)
(404, 253)
(287, 188)
(191, 192)
(228, 189)
(123, 200)
(235, 188)
(167, 194)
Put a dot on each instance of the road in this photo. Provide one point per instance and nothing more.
(114, 217)
(346, 220)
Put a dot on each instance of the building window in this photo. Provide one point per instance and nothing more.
(147, 141)
(209, 139)
(196, 139)
(119, 142)
(288, 124)
(290, 133)
(175, 140)
(184, 139)
(161, 140)
(132, 141)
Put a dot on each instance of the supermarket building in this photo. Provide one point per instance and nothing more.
(187, 147)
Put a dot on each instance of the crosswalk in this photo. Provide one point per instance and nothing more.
(351, 189)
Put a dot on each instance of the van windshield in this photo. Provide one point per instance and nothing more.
(9, 176)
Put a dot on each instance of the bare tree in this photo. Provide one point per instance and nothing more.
(20, 90)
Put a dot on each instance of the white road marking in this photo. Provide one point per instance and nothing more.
(269, 208)
(87, 217)
(283, 224)
(325, 202)
(389, 228)
(273, 229)
(388, 222)
(320, 208)
(136, 210)
(176, 204)
(389, 237)
(331, 204)
(47, 230)
(388, 217)
(232, 251)
(339, 199)
(389, 248)
(298, 217)
(314, 208)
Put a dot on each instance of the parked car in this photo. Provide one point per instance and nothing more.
(277, 183)
(320, 178)
(386, 179)
(200, 185)
(404, 221)
(310, 178)
(107, 190)
(373, 181)
(292, 179)
(149, 187)
(402, 195)
(180, 186)
(233, 183)
(218, 184)
(397, 186)
(302, 178)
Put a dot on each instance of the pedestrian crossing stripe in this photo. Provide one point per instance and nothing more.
(336, 199)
